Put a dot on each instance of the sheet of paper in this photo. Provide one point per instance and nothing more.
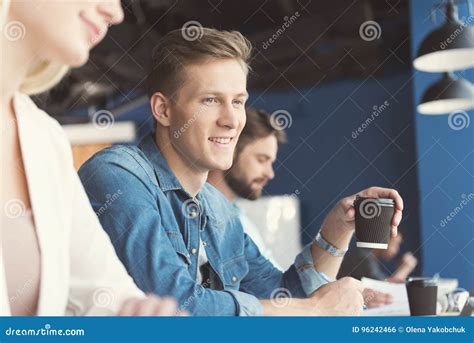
(399, 306)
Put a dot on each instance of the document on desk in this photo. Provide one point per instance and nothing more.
(399, 306)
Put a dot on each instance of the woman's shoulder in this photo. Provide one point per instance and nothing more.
(41, 120)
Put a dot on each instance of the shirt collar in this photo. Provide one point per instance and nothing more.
(166, 178)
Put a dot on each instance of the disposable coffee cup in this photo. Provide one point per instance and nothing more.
(422, 296)
(373, 222)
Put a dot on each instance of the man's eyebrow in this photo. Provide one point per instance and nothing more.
(262, 154)
(243, 94)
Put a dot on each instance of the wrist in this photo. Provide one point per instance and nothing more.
(337, 236)
(327, 246)
(294, 307)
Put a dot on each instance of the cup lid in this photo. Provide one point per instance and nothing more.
(421, 281)
(379, 201)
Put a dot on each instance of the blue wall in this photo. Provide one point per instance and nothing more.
(323, 162)
(445, 171)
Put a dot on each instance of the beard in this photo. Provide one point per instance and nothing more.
(242, 187)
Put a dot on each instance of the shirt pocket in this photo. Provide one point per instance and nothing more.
(178, 244)
(235, 270)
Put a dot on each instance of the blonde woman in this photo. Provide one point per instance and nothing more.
(55, 258)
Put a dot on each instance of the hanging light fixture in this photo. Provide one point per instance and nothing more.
(447, 95)
(450, 46)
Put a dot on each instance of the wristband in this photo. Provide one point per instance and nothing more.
(325, 245)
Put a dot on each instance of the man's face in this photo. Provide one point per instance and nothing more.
(253, 168)
(209, 114)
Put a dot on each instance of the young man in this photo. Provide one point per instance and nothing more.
(178, 235)
(254, 155)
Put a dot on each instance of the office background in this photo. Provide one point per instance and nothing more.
(326, 77)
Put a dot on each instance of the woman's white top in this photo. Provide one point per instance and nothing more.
(79, 271)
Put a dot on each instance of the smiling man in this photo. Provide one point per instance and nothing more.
(176, 234)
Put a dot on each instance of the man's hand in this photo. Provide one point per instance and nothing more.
(343, 214)
(408, 261)
(374, 298)
(150, 306)
(339, 298)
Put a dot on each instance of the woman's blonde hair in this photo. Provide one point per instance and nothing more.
(41, 76)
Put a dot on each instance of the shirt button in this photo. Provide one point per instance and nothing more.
(234, 279)
(193, 251)
(193, 214)
(204, 244)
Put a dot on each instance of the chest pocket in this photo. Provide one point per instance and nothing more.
(178, 245)
(235, 271)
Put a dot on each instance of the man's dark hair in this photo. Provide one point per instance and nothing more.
(259, 125)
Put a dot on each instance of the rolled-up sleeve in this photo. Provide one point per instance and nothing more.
(309, 277)
(265, 281)
(247, 305)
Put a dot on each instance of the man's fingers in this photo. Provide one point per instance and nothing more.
(129, 307)
(384, 298)
(376, 299)
(379, 192)
(148, 306)
(347, 202)
(350, 214)
(354, 283)
(167, 307)
(397, 218)
(394, 232)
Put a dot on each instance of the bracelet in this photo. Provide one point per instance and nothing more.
(325, 245)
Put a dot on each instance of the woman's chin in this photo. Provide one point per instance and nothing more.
(78, 58)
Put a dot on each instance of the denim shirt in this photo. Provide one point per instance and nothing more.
(155, 227)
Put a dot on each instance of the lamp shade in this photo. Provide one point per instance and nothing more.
(447, 95)
(449, 47)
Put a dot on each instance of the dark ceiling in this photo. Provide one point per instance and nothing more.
(320, 42)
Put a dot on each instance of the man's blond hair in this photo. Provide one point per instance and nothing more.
(180, 48)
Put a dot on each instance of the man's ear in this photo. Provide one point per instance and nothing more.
(160, 107)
